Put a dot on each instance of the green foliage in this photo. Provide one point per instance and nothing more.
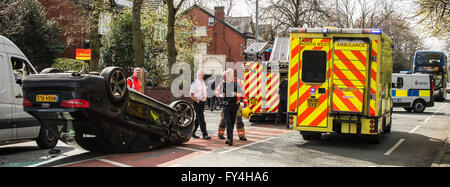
(434, 17)
(118, 50)
(24, 23)
(117, 47)
(67, 64)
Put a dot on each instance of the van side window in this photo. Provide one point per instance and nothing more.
(314, 66)
(20, 68)
(399, 82)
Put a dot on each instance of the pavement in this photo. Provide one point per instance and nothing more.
(442, 159)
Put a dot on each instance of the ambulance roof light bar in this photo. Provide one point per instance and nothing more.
(336, 30)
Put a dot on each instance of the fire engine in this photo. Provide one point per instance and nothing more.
(263, 75)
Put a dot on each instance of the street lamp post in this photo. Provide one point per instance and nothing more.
(256, 27)
(337, 10)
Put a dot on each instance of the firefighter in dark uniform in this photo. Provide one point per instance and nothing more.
(281, 116)
(230, 91)
(239, 123)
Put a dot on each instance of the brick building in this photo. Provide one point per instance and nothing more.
(221, 37)
(73, 21)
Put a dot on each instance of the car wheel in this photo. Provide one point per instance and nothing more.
(185, 113)
(419, 106)
(116, 84)
(184, 121)
(46, 139)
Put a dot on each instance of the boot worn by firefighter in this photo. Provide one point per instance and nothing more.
(221, 127)
(229, 142)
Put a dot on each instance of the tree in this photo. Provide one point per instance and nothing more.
(117, 50)
(94, 38)
(138, 43)
(171, 48)
(293, 13)
(435, 16)
(24, 23)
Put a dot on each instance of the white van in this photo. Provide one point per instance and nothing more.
(412, 91)
(15, 124)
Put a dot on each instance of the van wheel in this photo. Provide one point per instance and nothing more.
(46, 139)
(419, 106)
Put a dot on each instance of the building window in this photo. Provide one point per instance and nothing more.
(210, 21)
(202, 48)
(200, 31)
(314, 66)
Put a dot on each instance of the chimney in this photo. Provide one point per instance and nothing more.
(219, 12)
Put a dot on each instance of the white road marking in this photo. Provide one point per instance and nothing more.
(113, 162)
(413, 130)
(192, 149)
(387, 153)
(236, 148)
(432, 116)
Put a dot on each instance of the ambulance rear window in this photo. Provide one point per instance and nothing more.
(314, 66)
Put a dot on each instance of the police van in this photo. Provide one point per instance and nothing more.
(412, 91)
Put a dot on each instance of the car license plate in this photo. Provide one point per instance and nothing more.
(47, 98)
(313, 102)
(253, 101)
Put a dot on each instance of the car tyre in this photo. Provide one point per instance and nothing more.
(46, 139)
(116, 84)
(184, 121)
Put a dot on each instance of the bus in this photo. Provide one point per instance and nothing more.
(433, 62)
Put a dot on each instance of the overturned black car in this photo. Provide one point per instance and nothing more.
(99, 112)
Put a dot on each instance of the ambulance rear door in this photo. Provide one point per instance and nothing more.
(349, 80)
(313, 85)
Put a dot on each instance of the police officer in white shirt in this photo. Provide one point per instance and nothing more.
(198, 94)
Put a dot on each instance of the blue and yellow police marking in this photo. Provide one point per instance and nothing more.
(410, 93)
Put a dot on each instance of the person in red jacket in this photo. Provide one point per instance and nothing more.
(134, 81)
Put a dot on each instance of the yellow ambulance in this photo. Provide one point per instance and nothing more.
(340, 82)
